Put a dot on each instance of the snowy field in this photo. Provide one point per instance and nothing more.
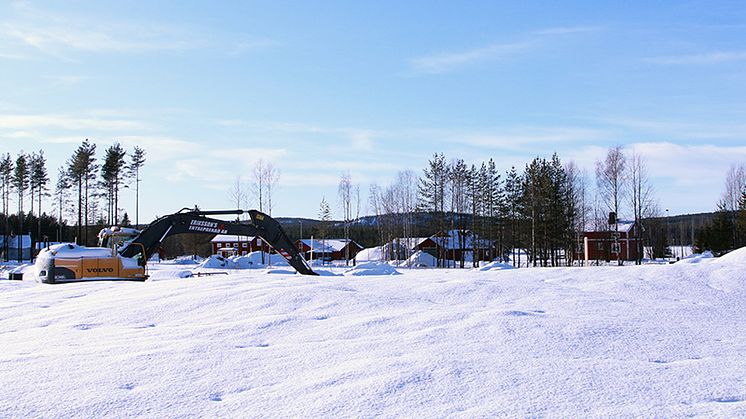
(661, 340)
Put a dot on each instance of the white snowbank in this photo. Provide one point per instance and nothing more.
(496, 266)
(650, 341)
(372, 268)
(369, 254)
(737, 256)
(422, 259)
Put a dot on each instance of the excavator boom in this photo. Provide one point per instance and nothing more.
(260, 224)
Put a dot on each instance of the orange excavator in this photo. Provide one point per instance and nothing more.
(123, 253)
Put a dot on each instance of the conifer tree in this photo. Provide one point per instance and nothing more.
(6, 176)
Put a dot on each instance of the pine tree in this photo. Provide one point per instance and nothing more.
(325, 216)
(61, 197)
(137, 160)
(81, 167)
(112, 174)
(432, 190)
(39, 179)
(512, 209)
(20, 184)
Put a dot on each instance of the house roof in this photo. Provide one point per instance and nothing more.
(328, 245)
(455, 239)
(230, 238)
(624, 226)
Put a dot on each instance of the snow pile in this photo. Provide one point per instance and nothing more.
(372, 268)
(251, 261)
(422, 259)
(496, 266)
(635, 341)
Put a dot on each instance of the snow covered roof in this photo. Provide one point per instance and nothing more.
(624, 226)
(229, 238)
(328, 245)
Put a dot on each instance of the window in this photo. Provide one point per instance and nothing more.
(220, 245)
(600, 246)
(244, 245)
(615, 248)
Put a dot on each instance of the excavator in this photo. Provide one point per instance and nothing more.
(123, 253)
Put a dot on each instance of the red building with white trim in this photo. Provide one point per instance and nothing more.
(619, 242)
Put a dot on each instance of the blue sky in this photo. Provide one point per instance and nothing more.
(319, 88)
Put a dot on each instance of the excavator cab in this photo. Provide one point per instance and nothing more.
(116, 236)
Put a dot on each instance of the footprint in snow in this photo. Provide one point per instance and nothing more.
(84, 326)
(127, 386)
(216, 397)
(147, 326)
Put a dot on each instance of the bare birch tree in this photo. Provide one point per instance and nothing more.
(345, 201)
(641, 197)
(265, 178)
(611, 179)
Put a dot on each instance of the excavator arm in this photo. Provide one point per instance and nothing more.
(261, 225)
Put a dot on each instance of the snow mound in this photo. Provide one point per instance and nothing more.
(736, 257)
(372, 268)
(496, 266)
(697, 257)
(422, 259)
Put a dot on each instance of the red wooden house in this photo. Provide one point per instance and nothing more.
(618, 242)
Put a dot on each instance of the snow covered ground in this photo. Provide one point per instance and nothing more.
(660, 340)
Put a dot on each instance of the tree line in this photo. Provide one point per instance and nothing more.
(727, 230)
(540, 211)
(86, 192)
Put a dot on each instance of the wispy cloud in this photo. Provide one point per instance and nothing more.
(61, 35)
(444, 62)
(566, 30)
(716, 57)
